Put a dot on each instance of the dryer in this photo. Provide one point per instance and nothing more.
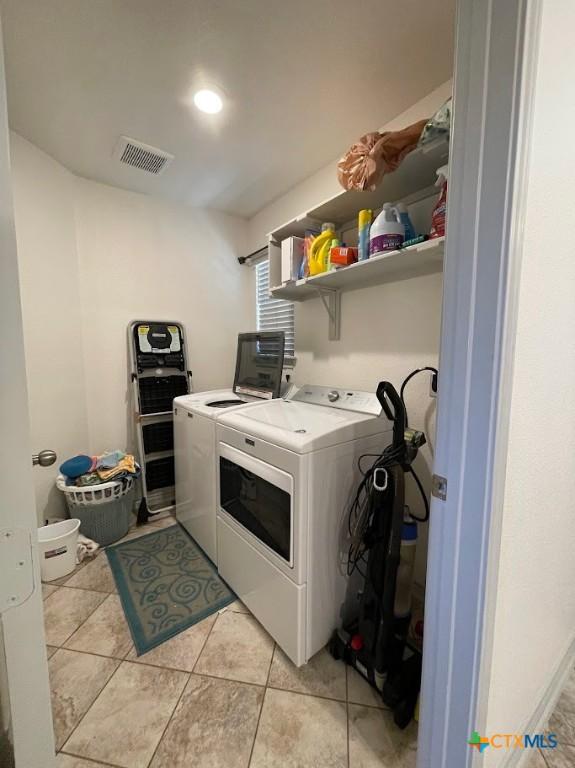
(287, 471)
(259, 364)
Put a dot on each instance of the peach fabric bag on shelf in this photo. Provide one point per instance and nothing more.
(367, 161)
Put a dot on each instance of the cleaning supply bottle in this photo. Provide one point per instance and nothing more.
(440, 210)
(387, 233)
(319, 251)
(403, 216)
(364, 220)
(405, 571)
(335, 243)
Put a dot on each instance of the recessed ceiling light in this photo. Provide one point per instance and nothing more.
(208, 101)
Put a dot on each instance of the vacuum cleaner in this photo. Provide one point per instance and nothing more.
(383, 534)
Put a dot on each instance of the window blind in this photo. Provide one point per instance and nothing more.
(274, 314)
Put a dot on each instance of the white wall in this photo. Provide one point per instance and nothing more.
(535, 615)
(141, 257)
(92, 258)
(386, 331)
(44, 210)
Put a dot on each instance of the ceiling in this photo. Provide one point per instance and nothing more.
(301, 81)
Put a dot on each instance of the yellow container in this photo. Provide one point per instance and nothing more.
(319, 250)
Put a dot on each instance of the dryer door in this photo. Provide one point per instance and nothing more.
(259, 497)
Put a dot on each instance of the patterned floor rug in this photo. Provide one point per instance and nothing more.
(166, 584)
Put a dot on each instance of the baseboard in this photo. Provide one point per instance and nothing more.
(518, 758)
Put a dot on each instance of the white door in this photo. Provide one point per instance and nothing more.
(26, 737)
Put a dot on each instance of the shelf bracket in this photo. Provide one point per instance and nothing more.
(331, 300)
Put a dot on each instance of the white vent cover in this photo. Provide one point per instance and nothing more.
(142, 156)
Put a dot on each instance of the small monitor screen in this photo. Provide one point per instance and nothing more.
(259, 364)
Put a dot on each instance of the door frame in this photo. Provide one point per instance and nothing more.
(496, 47)
(26, 672)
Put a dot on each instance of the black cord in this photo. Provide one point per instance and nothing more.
(425, 518)
(409, 378)
(362, 508)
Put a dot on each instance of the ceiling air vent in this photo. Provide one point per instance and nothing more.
(142, 156)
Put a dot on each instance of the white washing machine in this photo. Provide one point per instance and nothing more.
(287, 472)
(259, 364)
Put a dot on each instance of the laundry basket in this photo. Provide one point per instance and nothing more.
(104, 510)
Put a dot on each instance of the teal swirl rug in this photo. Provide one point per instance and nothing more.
(166, 584)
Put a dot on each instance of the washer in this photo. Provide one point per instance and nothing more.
(195, 432)
(287, 471)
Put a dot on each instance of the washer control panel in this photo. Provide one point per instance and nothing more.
(332, 397)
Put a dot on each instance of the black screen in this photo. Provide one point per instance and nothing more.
(259, 363)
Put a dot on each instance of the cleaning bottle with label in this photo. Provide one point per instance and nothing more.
(403, 216)
(440, 209)
(364, 219)
(335, 243)
(319, 251)
(387, 233)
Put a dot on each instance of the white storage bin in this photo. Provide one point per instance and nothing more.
(58, 543)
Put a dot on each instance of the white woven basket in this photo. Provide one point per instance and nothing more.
(90, 495)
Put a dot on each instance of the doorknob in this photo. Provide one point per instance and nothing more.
(44, 458)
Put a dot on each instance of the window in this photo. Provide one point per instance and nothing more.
(273, 314)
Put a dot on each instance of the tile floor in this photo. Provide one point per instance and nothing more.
(219, 694)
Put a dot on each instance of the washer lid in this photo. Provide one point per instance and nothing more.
(303, 427)
(199, 402)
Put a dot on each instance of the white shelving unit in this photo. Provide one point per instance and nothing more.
(411, 182)
(421, 259)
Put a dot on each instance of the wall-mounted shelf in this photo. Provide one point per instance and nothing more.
(422, 259)
(412, 183)
(416, 173)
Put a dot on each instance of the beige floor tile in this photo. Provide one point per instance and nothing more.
(139, 530)
(375, 741)
(298, 731)
(238, 648)
(215, 722)
(48, 589)
(96, 575)
(359, 691)
(68, 761)
(59, 582)
(562, 723)
(322, 675)
(163, 522)
(237, 606)
(66, 609)
(536, 760)
(562, 757)
(105, 632)
(127, 720)
(566, 701)
(76, 679)
(181, 651)
(50, 650)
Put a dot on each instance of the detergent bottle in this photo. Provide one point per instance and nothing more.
(319, 250)
(403, 216)
(364, 220)
(387, 233)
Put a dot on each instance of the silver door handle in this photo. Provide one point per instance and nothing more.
(44, 458)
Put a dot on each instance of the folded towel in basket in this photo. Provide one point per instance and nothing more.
(125, 465)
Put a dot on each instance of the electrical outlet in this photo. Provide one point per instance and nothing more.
(433, 385)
